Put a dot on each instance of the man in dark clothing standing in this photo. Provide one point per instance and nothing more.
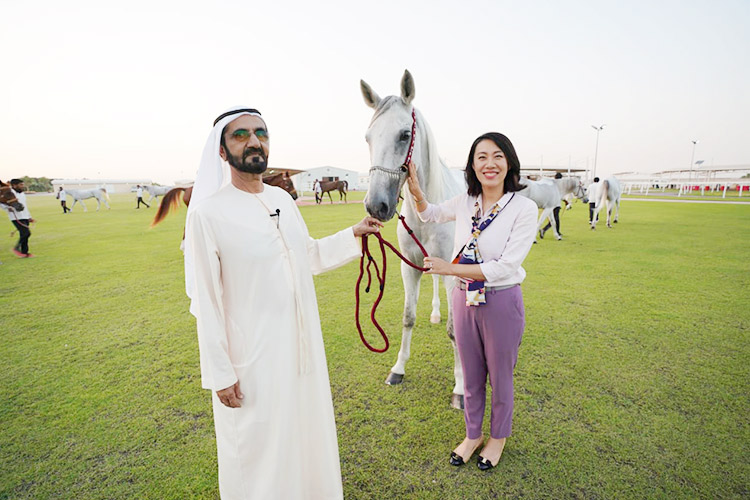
(21, 219)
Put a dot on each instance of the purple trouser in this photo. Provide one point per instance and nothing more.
(488, 337)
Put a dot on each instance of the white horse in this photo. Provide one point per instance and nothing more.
(81, 194)
(610, 192)
(388, 136)
(547, 193)
(156, 191)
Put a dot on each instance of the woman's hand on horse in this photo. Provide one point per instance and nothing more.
(435, 265)
(368, 225)
(413, 182)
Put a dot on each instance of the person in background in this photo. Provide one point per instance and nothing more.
(139, 194)
(22, 220)
(317, 189)
(592, 192)
(62, 195)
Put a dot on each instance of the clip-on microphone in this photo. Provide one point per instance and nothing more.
(277, 214)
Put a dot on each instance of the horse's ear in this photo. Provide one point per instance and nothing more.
(372, 99)
(407, 87)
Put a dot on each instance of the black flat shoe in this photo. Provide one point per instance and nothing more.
(484, 463)
(456, 459)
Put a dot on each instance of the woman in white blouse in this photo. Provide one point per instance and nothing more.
(495, 228)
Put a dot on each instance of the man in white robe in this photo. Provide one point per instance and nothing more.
(249, 267)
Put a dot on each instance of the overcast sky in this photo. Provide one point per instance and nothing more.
(130, 89)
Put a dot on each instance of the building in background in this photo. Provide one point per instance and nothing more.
(111, 185)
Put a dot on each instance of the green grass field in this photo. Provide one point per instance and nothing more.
(632, 379)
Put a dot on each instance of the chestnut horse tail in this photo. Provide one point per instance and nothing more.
(169, 203)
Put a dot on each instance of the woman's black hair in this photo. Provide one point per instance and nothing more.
(511, 183)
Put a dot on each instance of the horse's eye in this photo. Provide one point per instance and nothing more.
(405, 135)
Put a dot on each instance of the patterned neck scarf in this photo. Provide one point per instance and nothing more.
(469, 254)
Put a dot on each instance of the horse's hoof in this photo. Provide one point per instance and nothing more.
(435, 319)
(457, 401)
(394, 378)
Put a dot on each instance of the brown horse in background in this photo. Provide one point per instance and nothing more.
(7, 197)
(171, 200)
(328, 186)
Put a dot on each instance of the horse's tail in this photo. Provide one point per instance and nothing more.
(106, 194)
(169, 203)
(603, 193)
(346, 186)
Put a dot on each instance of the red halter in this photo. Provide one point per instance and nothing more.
(411, 143)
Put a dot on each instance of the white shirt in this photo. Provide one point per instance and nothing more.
(61, 195)
(19, 214)
(593, 191)
(503, 245)
(139, 192)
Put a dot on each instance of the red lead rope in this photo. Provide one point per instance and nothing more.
(381, 279)
(371, 262)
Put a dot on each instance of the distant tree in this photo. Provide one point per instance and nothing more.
(746, 176)
(38, 184)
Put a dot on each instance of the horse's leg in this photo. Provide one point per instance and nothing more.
(329, 197)
(344, 196)
(98, 204)
(595, 217)
(106, 203)
(617, 209)
(435, 314)
(546, 213)
(457, 399)
(84, 206)
(410, 277)
(610, 206)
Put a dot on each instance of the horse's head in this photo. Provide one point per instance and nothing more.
(288, 186)
(8, 197)
(284, 182)
(580, 191)
(389, 136)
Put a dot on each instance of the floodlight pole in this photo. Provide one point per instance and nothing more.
(692, 157)
(596, 151)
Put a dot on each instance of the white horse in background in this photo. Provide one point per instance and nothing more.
(156, 191)
(388, 136)
(82, 194)
(610, 192)
(547, 194)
